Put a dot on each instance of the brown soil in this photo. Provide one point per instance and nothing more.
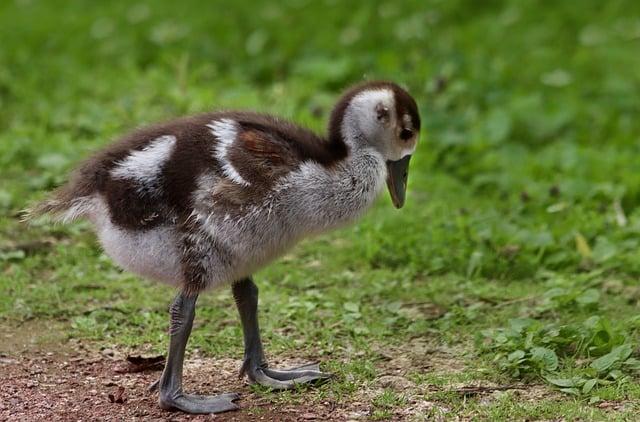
(76, 387)
(45, 377)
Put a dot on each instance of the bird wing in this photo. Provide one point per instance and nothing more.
(257, 158)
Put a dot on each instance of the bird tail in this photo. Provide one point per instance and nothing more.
(69, 202)
(59, 210)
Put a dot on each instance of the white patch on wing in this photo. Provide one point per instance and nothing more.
(144, 166)
(226, 131)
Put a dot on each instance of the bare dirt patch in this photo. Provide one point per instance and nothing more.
(73, 387)
(419, 354)
(44, 376)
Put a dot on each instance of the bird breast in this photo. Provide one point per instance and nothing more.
(308, 201)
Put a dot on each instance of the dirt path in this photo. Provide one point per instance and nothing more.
(46, 378)
(77, 387)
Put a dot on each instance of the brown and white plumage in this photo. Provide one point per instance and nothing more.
(208, 199)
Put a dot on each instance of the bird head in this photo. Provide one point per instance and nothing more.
(382, 116)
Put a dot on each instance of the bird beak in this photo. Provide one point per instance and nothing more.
(397, 173)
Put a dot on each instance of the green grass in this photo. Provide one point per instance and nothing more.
(523, 200)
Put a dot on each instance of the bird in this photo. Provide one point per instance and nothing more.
(205, 201)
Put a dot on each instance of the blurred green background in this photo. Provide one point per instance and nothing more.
(523, 195)
(517, 98)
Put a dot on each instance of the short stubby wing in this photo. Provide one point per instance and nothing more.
(250, 159)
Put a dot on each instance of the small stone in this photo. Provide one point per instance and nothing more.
(108, 352)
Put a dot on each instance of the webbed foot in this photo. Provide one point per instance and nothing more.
(199, 404)
(284, 379)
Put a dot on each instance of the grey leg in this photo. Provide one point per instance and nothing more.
(170, 385)
(245, 293)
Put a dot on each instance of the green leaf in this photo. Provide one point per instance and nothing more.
(589, 297)
(604, 250)
(520, 324)
(632, 363)
(592, 322)
(562, 382)
(588, 386)
(546, 359)
(351, 307)
(617, 355)
(497, 126)
(516, 356)
(616, 374)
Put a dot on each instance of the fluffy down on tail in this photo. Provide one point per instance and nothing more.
(67, 203)
(63, 211)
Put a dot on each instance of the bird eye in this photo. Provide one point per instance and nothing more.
(406, 134)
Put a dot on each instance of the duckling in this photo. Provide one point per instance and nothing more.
(206, 201)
